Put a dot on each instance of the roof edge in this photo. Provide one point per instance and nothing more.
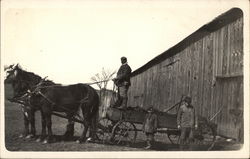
(219, 22)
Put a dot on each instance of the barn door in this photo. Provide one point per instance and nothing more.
(228, 74)
(230, 100)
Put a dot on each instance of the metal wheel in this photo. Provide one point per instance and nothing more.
(124, 132)
(173, 136)
(205, 136)
(104, 129)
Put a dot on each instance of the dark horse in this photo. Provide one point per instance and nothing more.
(71, 100)
(23, 81)
(48, 97)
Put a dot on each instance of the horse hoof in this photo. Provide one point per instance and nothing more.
(78, 141)
(38, 140)
(90, 139)
(28, 136)
(32, 136)
(45, 141)
(21, 136)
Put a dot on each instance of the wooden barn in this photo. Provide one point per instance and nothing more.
(208, 66)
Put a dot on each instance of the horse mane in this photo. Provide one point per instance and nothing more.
(48, 83)
(27, 80)
(30, 76)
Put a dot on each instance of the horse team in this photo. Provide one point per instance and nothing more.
(37, 94)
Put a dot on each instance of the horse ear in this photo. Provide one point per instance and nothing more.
(15, 66)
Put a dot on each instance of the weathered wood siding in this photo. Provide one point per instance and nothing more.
(107, 98)
(210, 70)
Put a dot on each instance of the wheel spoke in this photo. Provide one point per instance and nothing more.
(205, 136)
(104, 129)
(173, 136)
(124, 132)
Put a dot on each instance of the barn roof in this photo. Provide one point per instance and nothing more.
(219, 22)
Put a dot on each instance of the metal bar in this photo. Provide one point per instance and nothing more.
(170, 108)
(215, 115)
(166, 110)
(97, 82)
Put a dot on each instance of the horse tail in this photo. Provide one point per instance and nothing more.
(95, 111)
(91, 108)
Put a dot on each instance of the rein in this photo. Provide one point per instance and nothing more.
(97, 82)
(39, 92)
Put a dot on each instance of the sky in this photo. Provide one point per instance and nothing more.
(71, 41)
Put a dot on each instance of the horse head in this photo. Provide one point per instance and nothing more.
(8, 67)
(10, 73)
(20, 79)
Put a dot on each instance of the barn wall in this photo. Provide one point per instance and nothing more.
(210, 70)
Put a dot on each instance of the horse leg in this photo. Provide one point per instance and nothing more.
(82, 138)
(69, 130)
(94, 120)
(43, 133)
(32, 124)
(92, 136)
(85, 130)
(48, 124)
(92, 129)
(90, 122)
(26, 126)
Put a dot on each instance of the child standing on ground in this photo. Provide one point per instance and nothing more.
(150, 126)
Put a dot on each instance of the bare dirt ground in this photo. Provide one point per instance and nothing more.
(14, 127)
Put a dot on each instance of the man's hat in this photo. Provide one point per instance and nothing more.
(188, 99)
(123, 58)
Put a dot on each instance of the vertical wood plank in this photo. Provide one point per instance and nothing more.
(196, 75)
(200, 57)
(240, 44)
(219, 83)
(212, 103)
(210, 76)
(208, 57)
(228, 52)
(215, 87)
